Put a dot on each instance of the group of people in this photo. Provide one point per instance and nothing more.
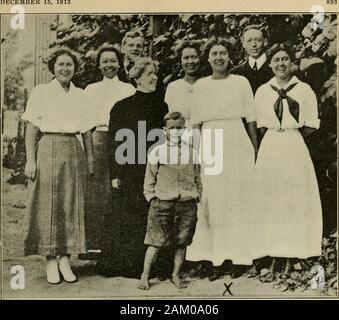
(264, 202)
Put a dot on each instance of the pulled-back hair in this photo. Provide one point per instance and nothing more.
(215, 41)
(60, 52)
(109, 48)
(188, 44)
(139, 67)
(280, 47)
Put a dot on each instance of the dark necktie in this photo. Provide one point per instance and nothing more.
(293, 105)
(255, 68)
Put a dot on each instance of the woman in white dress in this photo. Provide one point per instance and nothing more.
(221, 101)
(58, 168)
(286, 198)
(179, 97)
(179, 93)
(102, 96)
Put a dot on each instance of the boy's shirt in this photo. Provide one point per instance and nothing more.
(173, 173)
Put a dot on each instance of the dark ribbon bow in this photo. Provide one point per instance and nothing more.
(293, 105)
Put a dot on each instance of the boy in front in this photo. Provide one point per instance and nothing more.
(173, 188)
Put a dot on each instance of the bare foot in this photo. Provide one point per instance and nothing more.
(143, 284)
(178, 283)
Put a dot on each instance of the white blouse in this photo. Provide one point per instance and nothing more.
(179, 97)
(308, 109)
(228, 98)
(102, 96)
(52, 109)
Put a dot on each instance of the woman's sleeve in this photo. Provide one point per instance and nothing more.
(248, 101)
(34, 107)
(115, 123)
(88, 117)
(196, 109)
(259, 107)
(169, 96)
(165, 110)
(311, 109)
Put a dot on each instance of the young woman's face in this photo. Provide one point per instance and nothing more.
(218, 58)
(64, 68)
(190, 61)
(147, 82)
(281, 65)
(109, 64)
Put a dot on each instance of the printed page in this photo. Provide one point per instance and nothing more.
(169, 150)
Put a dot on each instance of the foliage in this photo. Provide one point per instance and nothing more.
(13, 73)
(164, 33)
(318, 60)
(201, 27)
(9, 159)
(304, 279)
(14, 99)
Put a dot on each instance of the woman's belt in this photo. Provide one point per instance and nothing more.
(66, 134)
(102, 128)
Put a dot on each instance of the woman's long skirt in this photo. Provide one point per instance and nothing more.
(221, 232)
(99, 192)
(123, 248)
(54, 223)
(286, 202)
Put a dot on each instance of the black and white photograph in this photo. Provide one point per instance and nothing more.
(169, 155)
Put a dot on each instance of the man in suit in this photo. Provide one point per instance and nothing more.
(255, 68)
(132, 47)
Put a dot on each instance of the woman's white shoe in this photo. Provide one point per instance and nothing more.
(53, 276)
(66, 270)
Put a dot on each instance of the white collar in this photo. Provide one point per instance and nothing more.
(274, 81)
(57, 86)
(110, 81)
(187, 83)
(260, 61)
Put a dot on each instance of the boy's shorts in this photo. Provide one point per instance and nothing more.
(171, 222)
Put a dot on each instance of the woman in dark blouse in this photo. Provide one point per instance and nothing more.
(125, 227)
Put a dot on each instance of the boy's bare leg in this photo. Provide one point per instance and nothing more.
(179, 257)
(150, 256)
(287, 271)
